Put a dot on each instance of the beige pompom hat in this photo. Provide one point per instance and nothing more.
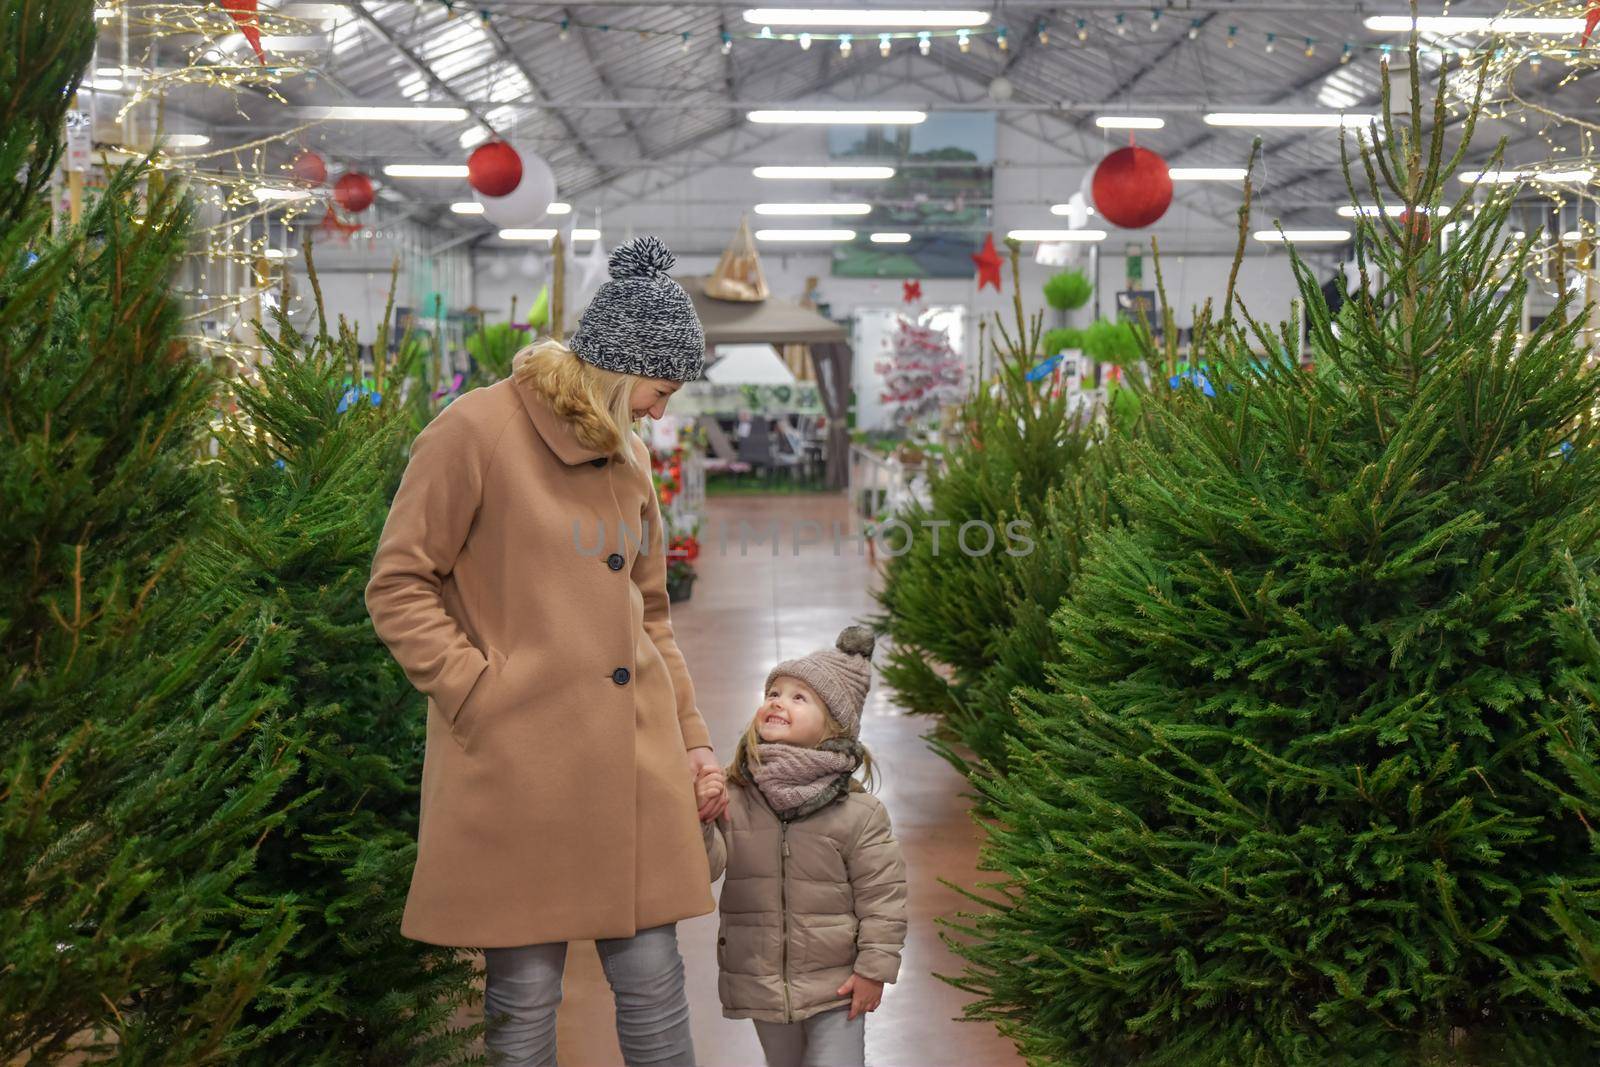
(840, 675)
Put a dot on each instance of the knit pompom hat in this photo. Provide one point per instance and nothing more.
(840, 675)
(641, 321)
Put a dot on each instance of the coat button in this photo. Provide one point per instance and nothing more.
(601, 462)
(620, 676)
(615, 561)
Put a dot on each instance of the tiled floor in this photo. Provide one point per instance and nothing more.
(748, 611)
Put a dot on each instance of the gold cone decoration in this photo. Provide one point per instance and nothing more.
(738, 275)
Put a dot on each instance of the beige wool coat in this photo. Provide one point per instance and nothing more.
(806, 903)
(513, 585)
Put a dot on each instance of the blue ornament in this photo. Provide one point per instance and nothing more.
(1043, 369)
(1194, 378)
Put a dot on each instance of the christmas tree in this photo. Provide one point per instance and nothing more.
(922, 375)
(1314, 780)
(969, 626)
(140, 751)
(308, 467)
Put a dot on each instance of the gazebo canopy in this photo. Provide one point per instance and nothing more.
(773, 321)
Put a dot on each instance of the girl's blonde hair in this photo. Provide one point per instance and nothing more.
(597, 402)
(748, 754)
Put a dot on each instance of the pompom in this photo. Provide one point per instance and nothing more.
(856, 640)
(642, 257)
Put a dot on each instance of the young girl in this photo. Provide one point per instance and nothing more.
(814, 908)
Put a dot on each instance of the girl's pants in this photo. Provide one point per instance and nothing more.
(831, 1039)
(646, 975)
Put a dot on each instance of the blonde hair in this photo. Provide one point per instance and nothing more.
(747, 753)
(597, 402)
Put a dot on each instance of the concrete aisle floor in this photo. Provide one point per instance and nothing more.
(746, 613)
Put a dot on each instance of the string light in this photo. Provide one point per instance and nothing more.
(1043, 30)
(963, 41)
(844, 44)
(1000, 38)
(1155, 21)
(1344, 56)
(685, 48)
(883, 45)
(1233, 33)
(1272, 42)
(1122, 25)
(766, 33)
(1311, 48)
(1083, 30)
(562, 36)
(924, 42)
(1194, 29)
(805, 42)
(727, 42)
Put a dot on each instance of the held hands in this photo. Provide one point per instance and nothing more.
(864, 993)
(710, 784)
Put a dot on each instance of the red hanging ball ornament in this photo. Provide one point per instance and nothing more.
(1132, 188)
(494, 169)
(308, 166)
(354, 192)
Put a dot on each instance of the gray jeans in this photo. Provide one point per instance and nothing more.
(523, 990)
(831, 1039)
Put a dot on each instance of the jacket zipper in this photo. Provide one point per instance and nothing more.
(783, 900)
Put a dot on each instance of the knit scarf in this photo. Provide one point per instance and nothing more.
(798, 781)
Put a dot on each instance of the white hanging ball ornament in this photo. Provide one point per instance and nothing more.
(528, 202)
(1001, 90)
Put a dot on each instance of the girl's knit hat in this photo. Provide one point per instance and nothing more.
(641, 321)
(840, 675)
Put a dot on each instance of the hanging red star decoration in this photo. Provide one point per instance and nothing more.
(244, 13)
(988, 262)
(913, 291)
(1591, 20)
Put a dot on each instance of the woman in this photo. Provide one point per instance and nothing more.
(521, 583)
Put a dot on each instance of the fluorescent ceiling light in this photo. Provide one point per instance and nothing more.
(1449, 24)
(1572, 235)
(105, 12)
(1206, 174)
(356, 113)
(472, 207)
(890, 238)
(279, 253)
(515, 234)
(300, 43)
(886, 18)
(813, 209)
(1066, 209)
(426, 170)
(1287, 119)
(797, 117)
(185, 140)
(1394, 211)
(1129, 122)
(829, 171)
(264, 193)
(805, 235)
(119, 72)
(1275, 237)
(1506, 177)
(1057, 235)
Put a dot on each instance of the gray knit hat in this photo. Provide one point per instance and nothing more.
(840, 675)
(641, 321)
